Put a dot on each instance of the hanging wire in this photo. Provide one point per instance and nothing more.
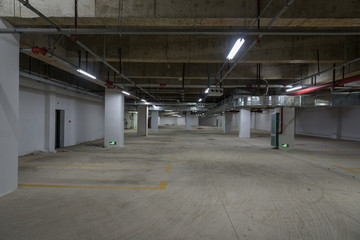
(120, 8)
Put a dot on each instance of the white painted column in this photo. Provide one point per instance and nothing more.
(227, 122)
(244, 123)
(188, 120)
(50, 110)
(114, 118)
(287, 136)
(191, 120)
(142, 126)
(154, 121)
(9, 111)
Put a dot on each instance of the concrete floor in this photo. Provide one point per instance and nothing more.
(198, 184)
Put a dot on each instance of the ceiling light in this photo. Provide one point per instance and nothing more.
(200, 99)
(86, 74)
(293, 89)
(207, 90)
(143, 100)
(126, 93)
(289, 86)
(168, 110)
(235, 48)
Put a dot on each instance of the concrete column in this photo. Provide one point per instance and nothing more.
(142, 126)
(114, 118)
(9, 111)
(227, 122)
(50, 110)
(191, 120)
(287, 136)
(244, 123)
(188, 120)
(154, 121)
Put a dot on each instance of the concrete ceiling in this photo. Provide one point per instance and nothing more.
(151, 60)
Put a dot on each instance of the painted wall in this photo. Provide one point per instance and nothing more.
(337, 123)
(84, 116)
(9, 111)
(262, 121)
(168, 120)
(180, 121)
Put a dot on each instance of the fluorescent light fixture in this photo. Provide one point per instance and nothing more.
(168, 110)
(86, 74)
(200, 99)
(293, 89)
(143, 100)
(289, 86)
(147, 103)
(207, 90)
(124, 92)
(235, 48)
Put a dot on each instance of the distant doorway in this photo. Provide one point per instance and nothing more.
(59, 128)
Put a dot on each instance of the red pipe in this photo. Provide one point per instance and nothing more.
(327, 85)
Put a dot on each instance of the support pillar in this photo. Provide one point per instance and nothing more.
(227, 122)
(142, 126)
(191, 120)
(50, 109)
(114, 118)
(154, 121)
(9, 111)
(288, 129)
(244, 123)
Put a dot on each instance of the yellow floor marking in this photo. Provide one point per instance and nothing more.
(334, 157)
(311, 158)
(347, 169)
(168, 168)
(92, 166)
(162, 186)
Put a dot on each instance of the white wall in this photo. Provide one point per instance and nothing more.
(84, 116)
(180, 121)
(262, 121)
(235, 121)
(9, 111)
(168, 120)
(32, 121)
(341, 123)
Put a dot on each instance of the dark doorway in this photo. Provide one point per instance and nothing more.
(59, 128)
(149, 122)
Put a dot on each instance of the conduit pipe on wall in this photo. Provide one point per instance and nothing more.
(29, 6)
(44, 52)
(327, 85)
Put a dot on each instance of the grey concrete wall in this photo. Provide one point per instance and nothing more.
(9, 111)
(208, 121)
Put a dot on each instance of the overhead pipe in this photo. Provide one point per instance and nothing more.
(177, 32)
(57, 84)
(28, 5)
(162, 85)
(283, 9)
(327, 85)
(327, 70)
